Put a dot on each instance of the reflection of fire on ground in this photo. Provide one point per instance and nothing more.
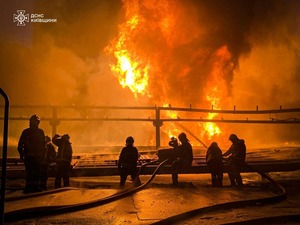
(155, 55)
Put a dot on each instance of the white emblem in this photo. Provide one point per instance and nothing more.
(21, 18)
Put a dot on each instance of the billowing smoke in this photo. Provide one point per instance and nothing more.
(249, 47)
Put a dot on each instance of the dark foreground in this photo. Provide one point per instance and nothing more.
(160, 200)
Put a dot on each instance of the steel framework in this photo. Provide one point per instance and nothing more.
(160, 115)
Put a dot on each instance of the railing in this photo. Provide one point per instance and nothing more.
(156, 115)
(4, 154)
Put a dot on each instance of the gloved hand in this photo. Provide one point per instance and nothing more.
(56, 136)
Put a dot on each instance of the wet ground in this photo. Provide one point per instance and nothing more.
(160, 200)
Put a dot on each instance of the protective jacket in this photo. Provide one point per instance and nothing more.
(32, 143)
(64, 152)
(214, 153)
(128, 157)
(185, 152)
(237, 152)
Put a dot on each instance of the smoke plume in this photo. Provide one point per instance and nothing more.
(247, 49)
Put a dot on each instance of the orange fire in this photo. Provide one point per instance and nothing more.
(146, 59)
(170, 129)
(216, 87)
(129, 68)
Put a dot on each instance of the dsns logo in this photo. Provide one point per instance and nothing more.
(21, 17)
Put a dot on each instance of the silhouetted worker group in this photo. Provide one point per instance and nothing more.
(39, 153)
(234, 159)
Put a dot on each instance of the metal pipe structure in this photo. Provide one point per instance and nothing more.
(158, 117)
(4, 154)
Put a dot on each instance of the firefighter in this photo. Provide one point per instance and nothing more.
(49, 157)
(184, 157)
(63, 160)
(214, 162)
(235, 160)
(173, 143)
(127, 163)
(31, 148)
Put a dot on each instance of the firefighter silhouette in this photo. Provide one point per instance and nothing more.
(63, 160)
(214, 162)
(49, 157)
(31, 148)
(235, 160)
(184, 157)
(127, 163)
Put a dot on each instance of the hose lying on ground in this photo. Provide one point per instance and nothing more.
(229, 205)
(269, 220)
(50, 210)
(38, 194)
(57, 190)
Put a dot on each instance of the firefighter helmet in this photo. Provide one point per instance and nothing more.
(129, 139)
(233, 137)
(35, 118)
(182, 137)
(66, 137)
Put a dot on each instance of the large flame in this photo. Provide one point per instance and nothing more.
(215, 88)
(154, 55)
(130, 69)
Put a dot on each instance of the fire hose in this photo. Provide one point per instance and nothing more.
(228, 205)
(50, 210)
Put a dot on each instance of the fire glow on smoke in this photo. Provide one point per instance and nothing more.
(154, 55)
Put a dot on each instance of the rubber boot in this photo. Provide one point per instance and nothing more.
(239, 180)
(66, 182)
(214, 181)
(220, 181)
(232, 180)
(136, 181)
(175, 179)
(57, 183)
